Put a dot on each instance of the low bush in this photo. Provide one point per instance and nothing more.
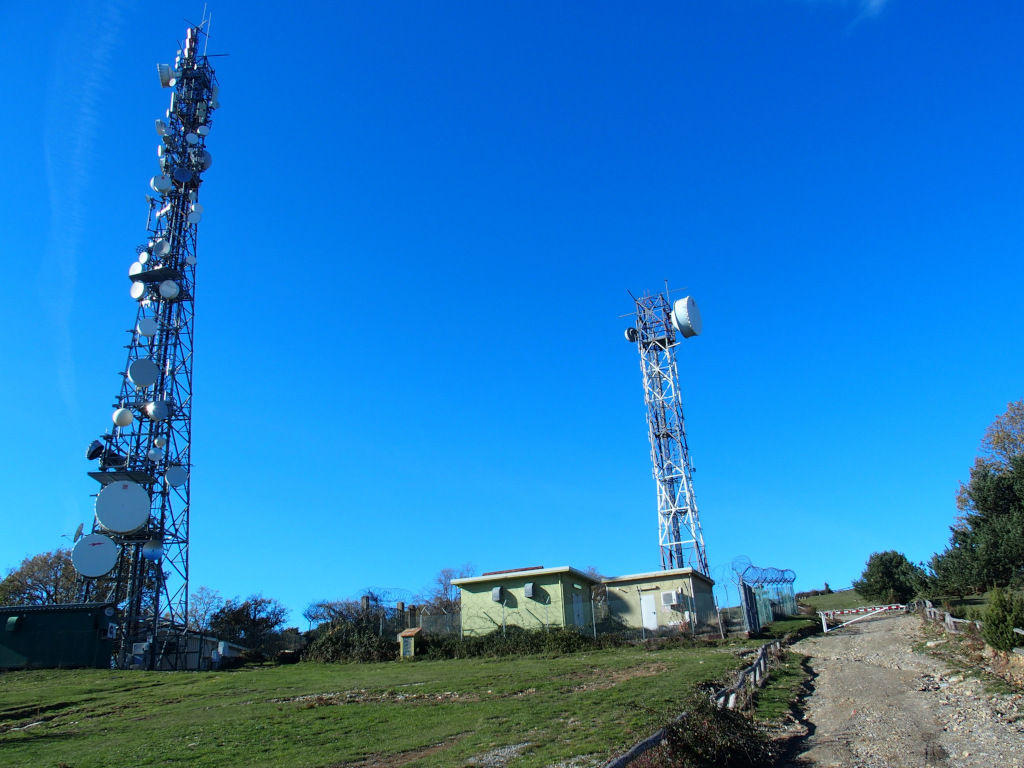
(1005, 611)
(708, 737)
(515, 641)
(355, 641)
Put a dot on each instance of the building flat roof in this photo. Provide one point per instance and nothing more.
(500, 576)
(659, 575)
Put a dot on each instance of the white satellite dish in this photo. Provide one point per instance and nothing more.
(176, 476)
(686, 317)
(154, 454)
(169, 289)
(160, 442)
(203, 130)
(123, 417)
(190, 260)
(153, 550)
(192, 138)
(161, 247)
(182, 175)
(94, 555)
(161, 184)
(161, 127)
(148, 327)
(158, 410)
(143, 257)
(632, 335)
(193, 196)
(143, 373)
(78, 532)
(207, 160)
(195, 218)
(123, 507)
(137, 291)
(197, 208)
(134, 269)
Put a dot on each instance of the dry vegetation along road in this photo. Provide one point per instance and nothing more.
(876, 703)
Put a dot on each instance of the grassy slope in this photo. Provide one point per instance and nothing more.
(594, 703)
(848, 598)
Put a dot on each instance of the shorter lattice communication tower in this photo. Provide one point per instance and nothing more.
(659, 324)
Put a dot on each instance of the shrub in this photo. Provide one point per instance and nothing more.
(352, 641)
(1005, 611)
(708, 737)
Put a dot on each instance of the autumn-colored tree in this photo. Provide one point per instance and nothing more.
(44, 579)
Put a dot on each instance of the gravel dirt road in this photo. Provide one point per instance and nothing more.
(876, 703)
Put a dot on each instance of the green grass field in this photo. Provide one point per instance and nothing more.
(423, 713)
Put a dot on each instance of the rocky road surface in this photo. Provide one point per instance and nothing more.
(876, 703)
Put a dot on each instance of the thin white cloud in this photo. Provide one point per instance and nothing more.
(872, 7)
(79, 75)
(865, 8)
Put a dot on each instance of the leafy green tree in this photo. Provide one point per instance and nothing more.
(987, 540)
(1004, 612)
(254, 623)
(889, 576)
(44, 579)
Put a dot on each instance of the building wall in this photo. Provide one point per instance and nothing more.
(41, 637)
(551, 605)
(696, 602)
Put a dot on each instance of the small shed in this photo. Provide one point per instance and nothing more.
(531, 598)
(662, 599)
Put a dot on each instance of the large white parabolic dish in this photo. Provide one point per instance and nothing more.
(176, 476)
(122, 507)
(686, 317)
(94, 555)
(143, 372)
(148, 327)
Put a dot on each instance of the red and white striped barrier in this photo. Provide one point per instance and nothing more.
(866, 609)
(865, 612)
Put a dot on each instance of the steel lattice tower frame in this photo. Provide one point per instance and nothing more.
(151, 592)
(680, 539)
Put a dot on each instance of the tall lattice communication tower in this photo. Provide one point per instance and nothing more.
(136, 556)
(659, 324)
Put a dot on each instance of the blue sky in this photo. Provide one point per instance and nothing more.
(421, 224)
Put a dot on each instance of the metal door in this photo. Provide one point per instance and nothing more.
(648, 611)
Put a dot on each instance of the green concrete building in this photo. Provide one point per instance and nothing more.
(531, 598)
(677, 598)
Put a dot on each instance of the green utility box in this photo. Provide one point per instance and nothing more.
(50, 636)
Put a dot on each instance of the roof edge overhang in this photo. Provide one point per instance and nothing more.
(524, 574)
(670, 573)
